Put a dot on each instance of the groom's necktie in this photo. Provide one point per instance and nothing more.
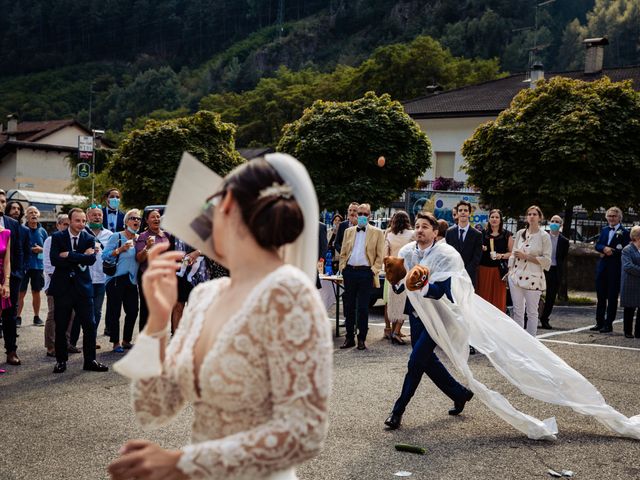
(75, 243)
(461, 236)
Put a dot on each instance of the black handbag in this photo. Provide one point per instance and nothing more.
(503, 268)
(109, 267)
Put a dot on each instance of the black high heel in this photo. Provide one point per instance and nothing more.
(397, 340)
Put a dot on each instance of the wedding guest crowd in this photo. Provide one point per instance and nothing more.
(523, 271)
(69, 267)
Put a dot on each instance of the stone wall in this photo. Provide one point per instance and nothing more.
(581, 266)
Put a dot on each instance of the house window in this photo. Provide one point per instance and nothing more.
(445, 164)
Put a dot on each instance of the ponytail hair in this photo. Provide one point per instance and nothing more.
(537, 209)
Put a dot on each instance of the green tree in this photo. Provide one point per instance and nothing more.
(340, 143)
(563, 144)
(145, 164)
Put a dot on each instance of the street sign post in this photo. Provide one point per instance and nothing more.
(84, 170)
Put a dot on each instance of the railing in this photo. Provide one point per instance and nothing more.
(445, 185)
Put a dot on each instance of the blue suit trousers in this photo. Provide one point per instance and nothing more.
(423, 360)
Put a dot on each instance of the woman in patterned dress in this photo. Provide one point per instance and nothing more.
(253, 353)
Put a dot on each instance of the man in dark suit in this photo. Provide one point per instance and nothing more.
(17, 274)
(15, 210)
(112, 217)
(351, 221)
(612, 240)
(72, 252)
(466, 239)
(322, 247)
(559, 251)
(423, 360)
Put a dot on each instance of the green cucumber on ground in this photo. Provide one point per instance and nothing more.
(403, 447)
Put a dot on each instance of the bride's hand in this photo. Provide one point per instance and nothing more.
(144, 460)
(160, 284)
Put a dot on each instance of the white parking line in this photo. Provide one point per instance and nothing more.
(592, 345)
(545, 338)
(564, 332)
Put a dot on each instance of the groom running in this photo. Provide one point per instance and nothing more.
(423, 360)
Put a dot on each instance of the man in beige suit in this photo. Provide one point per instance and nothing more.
(360, 262)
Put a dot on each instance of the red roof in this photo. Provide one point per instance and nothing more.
(34, 131)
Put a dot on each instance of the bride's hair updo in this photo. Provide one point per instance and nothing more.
(266, 203)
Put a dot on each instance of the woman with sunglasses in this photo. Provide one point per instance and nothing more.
(253, 352)
(122, 290)
(150, 237)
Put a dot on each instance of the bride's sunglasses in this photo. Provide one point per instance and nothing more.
(203, 223)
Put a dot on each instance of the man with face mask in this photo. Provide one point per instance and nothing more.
(102, 235)
(360, 262)
(112, 216)
(559, 251)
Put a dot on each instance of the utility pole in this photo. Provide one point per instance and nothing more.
(280, 18)
(90, 103)
(95, 134)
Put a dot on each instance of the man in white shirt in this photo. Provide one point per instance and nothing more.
(96, 228)
(360, 262)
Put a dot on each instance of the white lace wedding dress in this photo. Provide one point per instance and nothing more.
(261, 403)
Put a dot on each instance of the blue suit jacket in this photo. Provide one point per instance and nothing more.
(119, 220)
(72, 272)
(618, 242)
(18, 256)
(436, 291)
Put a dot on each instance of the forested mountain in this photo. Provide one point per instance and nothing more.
(132, 58)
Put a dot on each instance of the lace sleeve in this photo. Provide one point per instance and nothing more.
(157, 400)
(297, 343)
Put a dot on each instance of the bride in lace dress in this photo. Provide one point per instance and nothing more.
(253, 353)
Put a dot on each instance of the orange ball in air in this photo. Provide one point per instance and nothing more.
(381, 161)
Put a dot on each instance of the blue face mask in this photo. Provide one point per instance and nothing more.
(362, 220)
(554, 227)
(114, 203)
(132, 231)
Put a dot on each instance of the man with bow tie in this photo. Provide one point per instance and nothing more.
(612, 240)
(112, 217)
(72, 252)
(360, 263)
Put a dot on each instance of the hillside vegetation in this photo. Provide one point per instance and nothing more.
(165, 58)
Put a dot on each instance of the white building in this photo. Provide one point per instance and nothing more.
(34, 155)
(451, 117)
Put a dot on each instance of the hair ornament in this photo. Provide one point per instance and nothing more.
(278, 189)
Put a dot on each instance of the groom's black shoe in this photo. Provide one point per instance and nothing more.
(95, 367)
(394, 421)
(596, 327)
(348, 343)
(60, 367)
(544, 324)
(458, 407)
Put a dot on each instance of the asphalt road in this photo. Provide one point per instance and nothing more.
(70, 426)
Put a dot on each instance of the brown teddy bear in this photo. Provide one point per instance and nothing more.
(394, 269)
(418, 277)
